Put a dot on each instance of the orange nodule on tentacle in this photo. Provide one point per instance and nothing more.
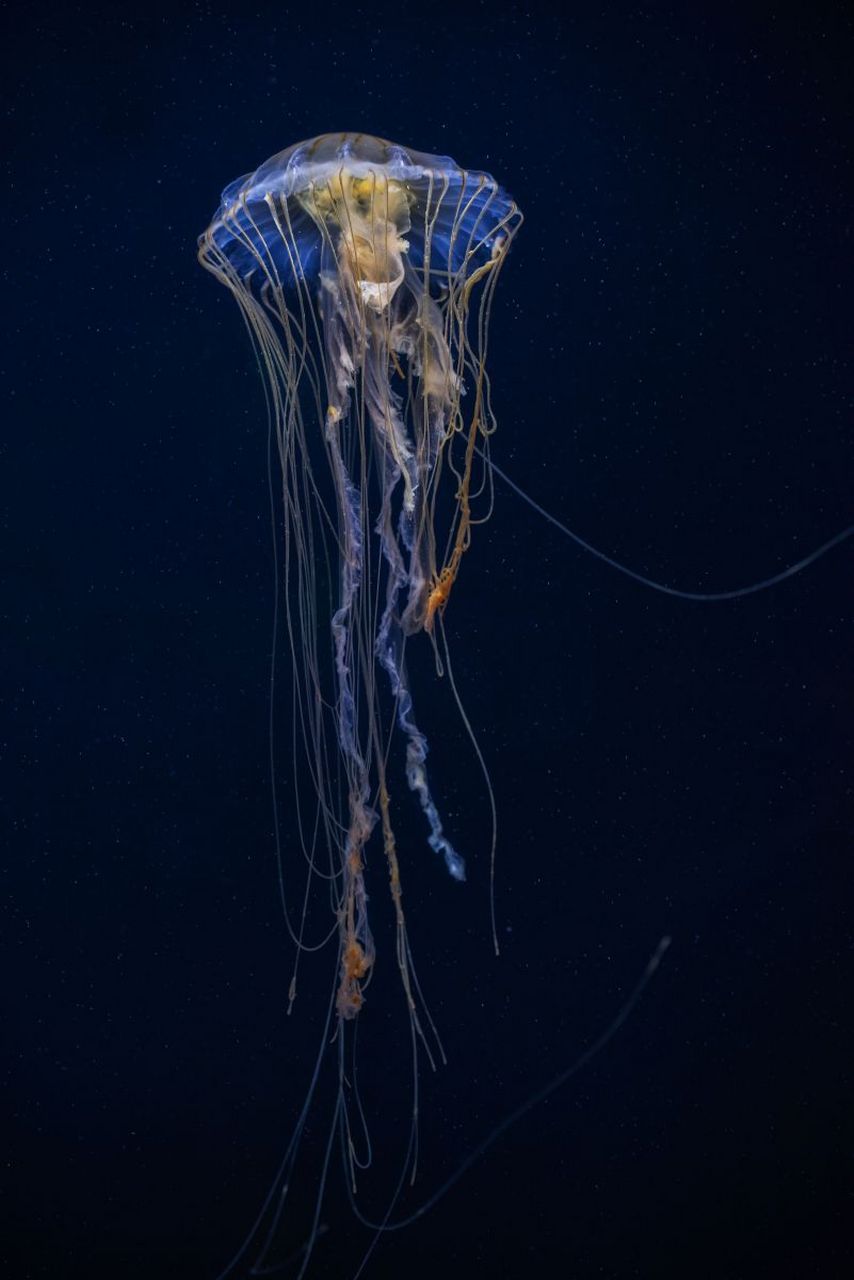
(438, 597)
(355, 964)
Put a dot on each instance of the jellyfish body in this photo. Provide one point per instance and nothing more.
(364, 272)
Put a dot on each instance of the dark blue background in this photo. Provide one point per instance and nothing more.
(671, 358)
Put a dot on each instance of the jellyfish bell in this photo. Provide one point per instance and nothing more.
(365, 273)
(346, 181)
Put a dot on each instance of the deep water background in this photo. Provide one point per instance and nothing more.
(671, 359)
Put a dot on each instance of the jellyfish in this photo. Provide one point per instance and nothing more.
(365, 274)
